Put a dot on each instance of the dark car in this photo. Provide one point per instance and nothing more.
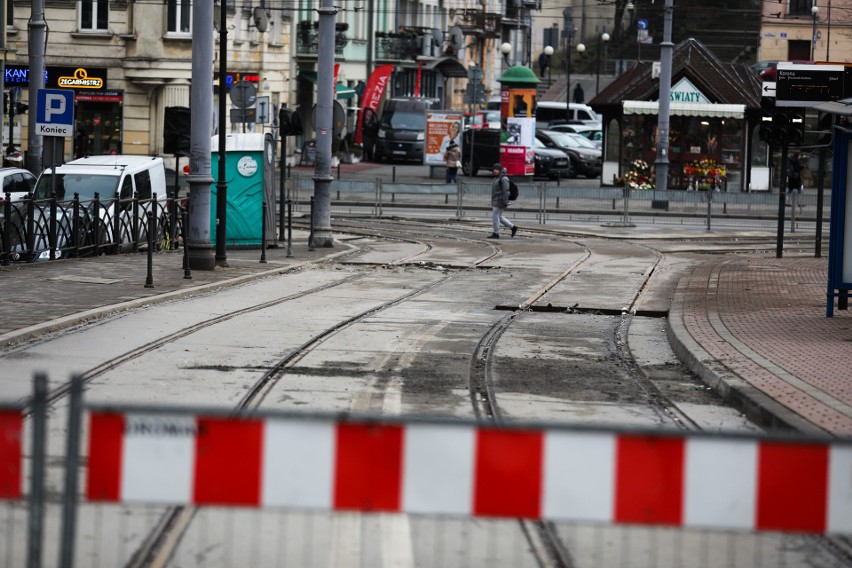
(585, 157)
(551, 163)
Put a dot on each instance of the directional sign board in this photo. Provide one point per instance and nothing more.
(804, 85)
(767, 89)
(55, 112)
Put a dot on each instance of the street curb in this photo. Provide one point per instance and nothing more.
(59, 324)
(733, 388)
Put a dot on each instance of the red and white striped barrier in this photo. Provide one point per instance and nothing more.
(11, 454)
(464, 469)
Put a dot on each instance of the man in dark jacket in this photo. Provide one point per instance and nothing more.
(499, 201)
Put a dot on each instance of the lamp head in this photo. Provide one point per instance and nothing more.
(548, 50)
(814, 10)
(605, 37)
(506, 48)
(581, 47)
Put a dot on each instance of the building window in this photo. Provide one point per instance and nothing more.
(10, 13)
(180, 16)
(94, 15)
(800, 7)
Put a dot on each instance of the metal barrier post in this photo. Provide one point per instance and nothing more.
(149, 279)
(51, 235)
(134, 223)
(72, 465)
(379, 189)
(794, 201)
(39, 451)
(96, 223)
(75, 225)
(311, 235)
(116, 223)
(263, 234)
(289, 228)
(187, 273)
(7, 230)
(393, 174)
(626, 218)
(173, 220)
(30, 236)
(459, 189)
(709, 204)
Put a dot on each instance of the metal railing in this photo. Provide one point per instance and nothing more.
(547, 203)
(46, 229)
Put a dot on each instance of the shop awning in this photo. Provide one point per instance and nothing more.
(678, 108)
(343, 92)
(448, 66)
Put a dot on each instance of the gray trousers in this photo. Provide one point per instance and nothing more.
(498, 219)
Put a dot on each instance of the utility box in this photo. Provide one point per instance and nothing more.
(250, 178)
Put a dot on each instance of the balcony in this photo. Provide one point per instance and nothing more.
(478, 23)
(408, 44)
(307, 38)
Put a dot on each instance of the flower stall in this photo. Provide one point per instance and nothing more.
(704, 174)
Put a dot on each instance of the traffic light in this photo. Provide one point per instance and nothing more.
(825, 129)
(794, 130)
(290, 122)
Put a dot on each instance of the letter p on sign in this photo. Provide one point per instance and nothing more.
(55, 105)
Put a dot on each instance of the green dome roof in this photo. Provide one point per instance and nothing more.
(519, 74)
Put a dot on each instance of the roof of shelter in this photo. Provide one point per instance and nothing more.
(728, 83)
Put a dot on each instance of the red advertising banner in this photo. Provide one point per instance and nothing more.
(372, 95)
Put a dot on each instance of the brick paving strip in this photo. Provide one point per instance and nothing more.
(756, 331)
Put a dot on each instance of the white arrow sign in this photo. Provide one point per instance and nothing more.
(768, 89)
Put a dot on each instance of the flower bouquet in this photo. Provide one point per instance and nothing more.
(704, 173)
(639, 176)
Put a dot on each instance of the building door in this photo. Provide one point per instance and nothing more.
(798, 50)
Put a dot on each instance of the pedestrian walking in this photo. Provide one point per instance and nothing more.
(579, 95)
(452, 158)
(794, 175)
(499, 201)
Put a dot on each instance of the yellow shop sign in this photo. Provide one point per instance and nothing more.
(81, 80)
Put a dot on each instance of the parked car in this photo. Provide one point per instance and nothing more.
(594, 135)
(106, 175)
(475, 120)
(492, 119)
(550, 162)
(17, 182)
(585, 157)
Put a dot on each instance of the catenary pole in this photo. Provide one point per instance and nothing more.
(325, 85)
(37, 41)
(200, 250)
(222, 183)
(666, 48)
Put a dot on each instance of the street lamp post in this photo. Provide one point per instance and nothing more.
(548, 51)
(580, 49)
(506, 49)
(815, 14)
(604, 38)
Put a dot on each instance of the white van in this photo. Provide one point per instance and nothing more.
(105, 175)
(548, 112)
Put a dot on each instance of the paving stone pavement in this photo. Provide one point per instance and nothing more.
(754, 328)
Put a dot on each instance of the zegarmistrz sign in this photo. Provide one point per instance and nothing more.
(803, 85)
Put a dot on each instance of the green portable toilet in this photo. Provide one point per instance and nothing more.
(250, 175)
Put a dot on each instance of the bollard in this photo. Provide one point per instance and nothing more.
(311, 235)
(263, 234)
(149, 279)
(187, 273)
(289, 228)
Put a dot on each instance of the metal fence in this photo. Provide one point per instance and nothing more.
(544, 203)
(47, 229)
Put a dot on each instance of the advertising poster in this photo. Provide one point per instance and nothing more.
(518, 131)
(441, 128)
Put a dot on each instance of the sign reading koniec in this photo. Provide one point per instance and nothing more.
(803, 85)
(55, 112)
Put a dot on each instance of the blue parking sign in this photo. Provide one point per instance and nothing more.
(55, 112)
